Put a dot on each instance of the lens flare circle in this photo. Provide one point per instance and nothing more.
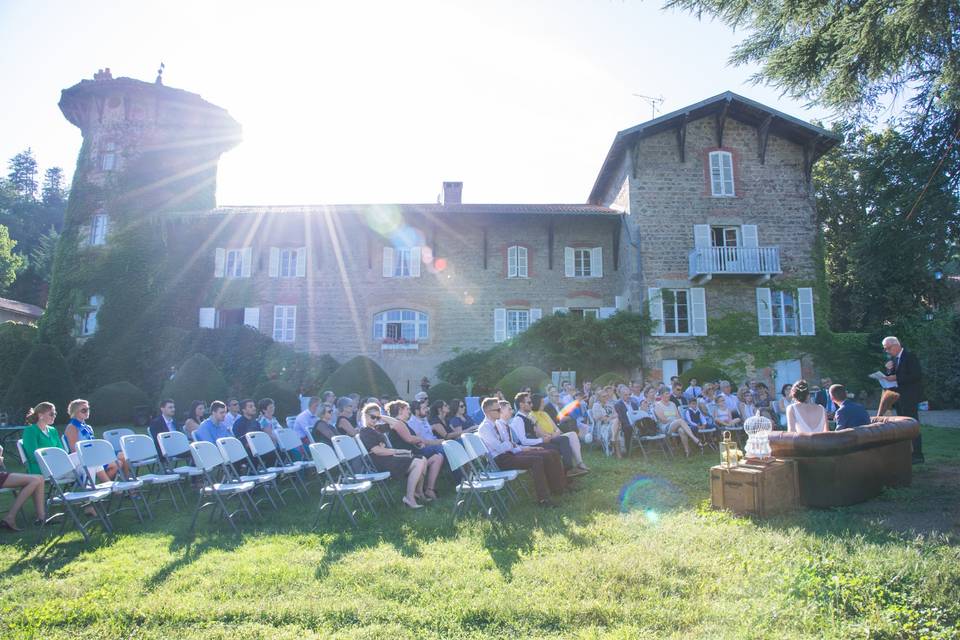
(651, 496)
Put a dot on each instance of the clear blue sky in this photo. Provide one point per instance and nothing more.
(380, 101)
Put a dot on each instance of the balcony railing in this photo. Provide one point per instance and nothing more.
(710, 261)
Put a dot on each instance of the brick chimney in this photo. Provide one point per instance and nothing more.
(452, 193)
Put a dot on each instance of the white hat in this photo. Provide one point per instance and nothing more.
(420, 397)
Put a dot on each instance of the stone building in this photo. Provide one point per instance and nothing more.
(692, 216)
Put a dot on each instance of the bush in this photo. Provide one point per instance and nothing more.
(610, 377)
(116, 403)
(526, 376)
(445, 391)
(703, 373)
(304, 372)
(196, 379)
(283, 395)
(360, 375)
(239, 352)
(43, 377)
(16, 340)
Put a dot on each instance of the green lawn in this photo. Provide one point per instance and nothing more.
(635, 552)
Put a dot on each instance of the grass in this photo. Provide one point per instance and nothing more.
(635, 552)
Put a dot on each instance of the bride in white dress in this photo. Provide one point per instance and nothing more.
(803, 416)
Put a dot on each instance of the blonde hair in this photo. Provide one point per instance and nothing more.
(43, 407)
(75, 405)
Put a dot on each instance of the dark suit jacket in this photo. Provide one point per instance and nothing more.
(822, 398)
(156, 427)
(909, 383)
(851, 414)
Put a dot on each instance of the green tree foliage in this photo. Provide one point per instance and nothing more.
(879, 261)
(43, 377)
(117, 403)
(360, 375)
(23, 175)
(10, 262)
(446, 391)
(304, 372)
(521, 378)
(53, 193)
(610, 377)
(16, 341)
(197, 379)
(283, 395)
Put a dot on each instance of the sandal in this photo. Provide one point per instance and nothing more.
(429, 495)
(414, 505)
(9, 527)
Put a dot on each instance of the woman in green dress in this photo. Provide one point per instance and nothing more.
(40, 433)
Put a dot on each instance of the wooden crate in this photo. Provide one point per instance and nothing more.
(755, 489)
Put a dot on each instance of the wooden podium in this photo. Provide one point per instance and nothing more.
(755, 489)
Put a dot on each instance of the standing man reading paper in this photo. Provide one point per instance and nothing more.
(904, 369)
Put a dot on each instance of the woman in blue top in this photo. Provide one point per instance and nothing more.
(459, 417)
(78, 429)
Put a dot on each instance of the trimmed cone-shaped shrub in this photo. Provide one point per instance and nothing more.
(445, 391)
(703, 373)
(360, 375)
(43, 377)
(283, 395)
(525, 376)
(116, 403)
(611, 377)
(16, 340)
(196, 379)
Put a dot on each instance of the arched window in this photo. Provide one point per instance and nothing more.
(401, 326)
(721, 174)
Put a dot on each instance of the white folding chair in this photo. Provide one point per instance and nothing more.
(59, 470)
(484, 464)
(139, 451)
(355, 467)
(22, 452)
(113, 436)
(233, 454)
(174, 446)
(94, 455)
(207, 458)
(260, 445)
(324, 460)
(658, 437)
(472, 485)
(287, 442)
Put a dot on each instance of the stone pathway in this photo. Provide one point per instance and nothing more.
(947, 418)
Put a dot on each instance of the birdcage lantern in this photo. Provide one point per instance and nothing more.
(758, 429)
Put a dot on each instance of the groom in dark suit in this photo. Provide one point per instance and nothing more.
(904, 369)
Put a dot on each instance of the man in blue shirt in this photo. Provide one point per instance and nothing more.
(849, 414)
(214, 427)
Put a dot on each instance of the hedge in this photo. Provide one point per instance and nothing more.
(43, 377)
(446, 391)
(196, 379)
(703, 373)
(284, 396)
(16, 340)
(609, 377)
(360, 375)
(525, 376)
(116, 403)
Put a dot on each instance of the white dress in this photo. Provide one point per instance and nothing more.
(802, 426)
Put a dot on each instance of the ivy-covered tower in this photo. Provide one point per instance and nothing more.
(147, 150)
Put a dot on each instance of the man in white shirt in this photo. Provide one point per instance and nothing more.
(523, 433)
(730, 398)
(418, 420)
(303, 425)
(233, 412)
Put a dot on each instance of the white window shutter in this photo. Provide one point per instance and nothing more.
(301, 262)
(716, 174)
(274, 262)
(701, 236)
(620, 302)
(698, 311)
(208, 317)
(749, 234)
(726, 159)
(655, 300)
(561, 310)
(220, 258)
(805, 307)
(415, 262)
(568, 262)
(247, 262)
(535, 314)
(522, 270)
(251, 317)
(499, 325)
(596, 262)
(512, 262)
(388, 262)
(605, 312)
(764, 311)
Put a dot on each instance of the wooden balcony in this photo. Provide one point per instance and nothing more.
(762, 262)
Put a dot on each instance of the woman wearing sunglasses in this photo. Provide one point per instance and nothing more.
(398, 462)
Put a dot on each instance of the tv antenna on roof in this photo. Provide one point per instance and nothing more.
(159, 79)
(653, 102)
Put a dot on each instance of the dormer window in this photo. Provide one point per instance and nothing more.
(108, 156)
(721, 174)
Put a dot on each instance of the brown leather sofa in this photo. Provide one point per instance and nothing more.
(845, 467)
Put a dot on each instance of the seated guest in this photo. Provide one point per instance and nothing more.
(346, 422)
(624, 408)
(214, 426)
(26, 485)
(246, 423)
(233, 412)
(566, 393)
(398, 413)
(676, 395)
(780, 407)
(163, 422)
(603, 413)
(554, 407)
(694, 417)
(723, 416)
(708, 403)
(269, 424)
(693, 390)
(761, 399)
(802, 416)
(323, 430)
(78, 429)
(747, 408)
(419, 419)
(823, 398)
(731, 399)
(670, 422)
(507, 455)
(439, 411)
(545, 426)
(305, 421)
(194, 418)
(524, 433)
(39, 434)
(396, 461)
(849, 413)
(552, 458)
(458, 415)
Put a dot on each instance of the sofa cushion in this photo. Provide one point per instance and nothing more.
(879, 432)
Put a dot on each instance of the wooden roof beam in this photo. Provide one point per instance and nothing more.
(682, 136)
(763, 133)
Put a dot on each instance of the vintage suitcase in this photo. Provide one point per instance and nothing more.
(755, 489)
